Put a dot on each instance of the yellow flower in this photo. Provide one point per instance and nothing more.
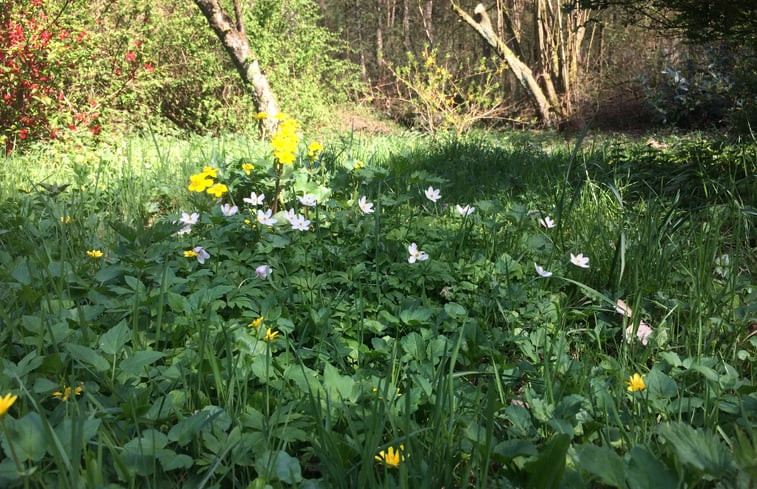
(636, 383)
(285, 141)
(217, 189)
(66, 393)
(391, 457)
(314, 148)
(270, 335)
(6, 402)
(190, 253)
(94, 253)
(65, 219)
(199, 182)
(256, 323)
(210, 172)
(261, 115)
(247, 167)
(358, 165)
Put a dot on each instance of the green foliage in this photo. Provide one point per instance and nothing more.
(150, 366)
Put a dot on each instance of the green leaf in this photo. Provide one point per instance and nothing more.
(85, 430)
(280, 465)
(699, 449)
(455, 310)
(416, 316)
(548, 468)
(601, 462)
(87, 355)
(185, 430)
(113, 340)
(339, 387)
(136, 363)
(27, 436)
(645, 471)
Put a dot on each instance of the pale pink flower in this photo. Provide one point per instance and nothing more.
(263, 271)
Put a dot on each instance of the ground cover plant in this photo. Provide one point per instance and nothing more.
(504, 310)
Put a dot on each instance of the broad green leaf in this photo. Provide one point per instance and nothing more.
(185, 430)
(415, 317)
(601, 462)
(699, 449)
(509, 449)
(87, 355)
(136, 363)
(281, 466)
(339, 387)
(455, 310)
(547, 470)
(113, 340)
(85, 430)
(646, 471)
(28, 437)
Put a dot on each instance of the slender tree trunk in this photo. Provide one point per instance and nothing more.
(360, 48)
(406, 43)
(232, 36)
(379, 37)
(428, 21)
(522, 72)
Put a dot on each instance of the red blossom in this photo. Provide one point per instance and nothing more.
(149, 67)
(131, 57)
(23, 133)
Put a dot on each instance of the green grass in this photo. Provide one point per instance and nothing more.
(487, 374)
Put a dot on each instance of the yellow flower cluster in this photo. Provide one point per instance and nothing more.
(314, 148)
(65, 394)
(203, 182)
(285, 140)
(94, 253)
(247, 167)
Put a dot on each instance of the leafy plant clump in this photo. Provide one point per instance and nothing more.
(496, 311)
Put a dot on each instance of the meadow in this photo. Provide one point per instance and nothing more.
(500, 310)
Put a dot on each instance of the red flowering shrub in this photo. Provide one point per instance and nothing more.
(60, 69)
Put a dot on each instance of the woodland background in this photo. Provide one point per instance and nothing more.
(624, 65)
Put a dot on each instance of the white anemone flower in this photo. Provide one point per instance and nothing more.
(416, 254)
(541, 271)
(290, 215)
(264, 218)
(365, 206)
(308, 200)
(547, 222)
(201, 254)
(189, 219)
(579, 260)
(299, 223)
(255, 199)
(433, 194)
(229, 210)
(465, 211)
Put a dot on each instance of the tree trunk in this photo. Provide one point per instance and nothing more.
(522, 72)
(427, 12)
(233, 38)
